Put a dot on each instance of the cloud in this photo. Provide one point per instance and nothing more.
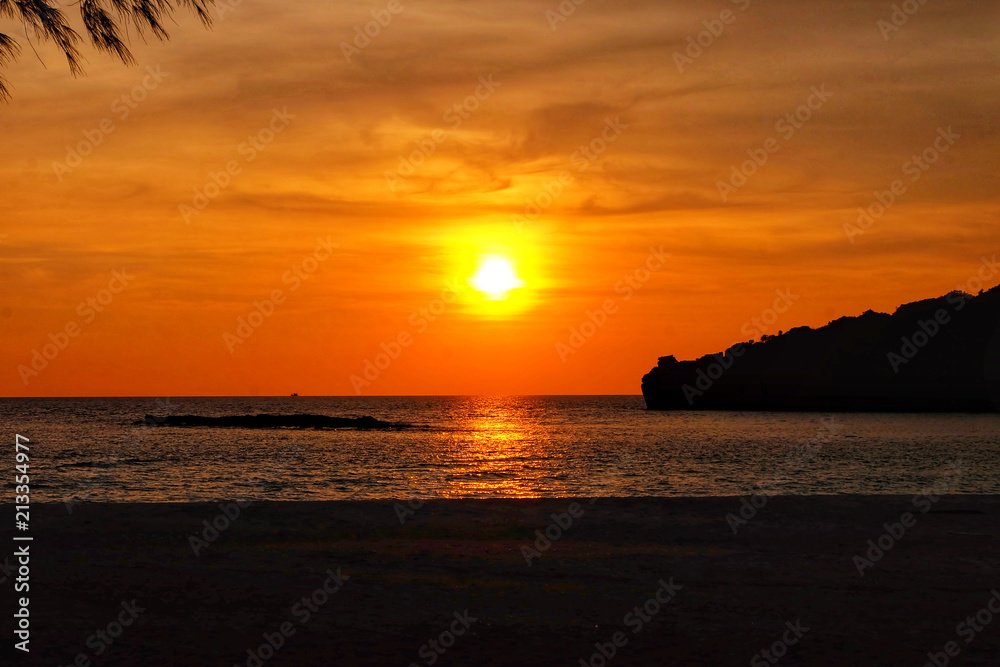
(355, 121)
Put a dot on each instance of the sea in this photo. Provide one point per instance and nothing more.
(97, 450)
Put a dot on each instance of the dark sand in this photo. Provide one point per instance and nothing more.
(793, 561)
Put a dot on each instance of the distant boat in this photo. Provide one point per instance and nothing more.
(294, 394)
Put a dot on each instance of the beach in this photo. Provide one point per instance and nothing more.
(640, 581)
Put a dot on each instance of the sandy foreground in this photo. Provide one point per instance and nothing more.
(348, 583)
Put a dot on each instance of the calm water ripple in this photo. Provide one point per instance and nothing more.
(478, 447)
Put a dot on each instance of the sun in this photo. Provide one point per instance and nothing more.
(496, 278)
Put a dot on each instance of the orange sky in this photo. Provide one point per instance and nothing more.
(318, 171)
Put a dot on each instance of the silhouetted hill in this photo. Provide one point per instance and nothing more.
(939, 354)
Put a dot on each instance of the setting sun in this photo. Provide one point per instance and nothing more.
(496, 278)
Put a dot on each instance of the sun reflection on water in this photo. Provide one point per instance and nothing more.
(502, 446)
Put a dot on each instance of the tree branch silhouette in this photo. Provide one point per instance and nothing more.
(104, 21)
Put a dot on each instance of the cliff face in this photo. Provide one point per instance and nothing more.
(935, 355)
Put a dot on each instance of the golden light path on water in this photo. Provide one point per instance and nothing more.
(501, 440)
(493, 447)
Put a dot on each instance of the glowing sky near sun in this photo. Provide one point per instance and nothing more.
(291, 208)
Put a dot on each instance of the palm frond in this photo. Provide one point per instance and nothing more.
(9, 49)
(105, 32)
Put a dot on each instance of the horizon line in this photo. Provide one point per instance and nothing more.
(155, 396)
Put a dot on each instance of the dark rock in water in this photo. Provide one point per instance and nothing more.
(935, 355)
(271, 421)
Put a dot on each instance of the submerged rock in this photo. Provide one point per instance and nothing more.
(271, 421)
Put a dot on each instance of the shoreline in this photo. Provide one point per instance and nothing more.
(84, 502)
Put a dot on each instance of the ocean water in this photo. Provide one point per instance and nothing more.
(488, 447)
